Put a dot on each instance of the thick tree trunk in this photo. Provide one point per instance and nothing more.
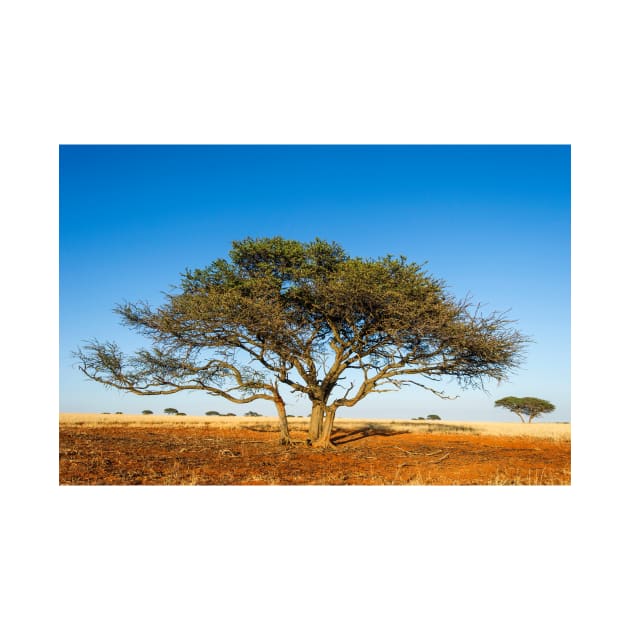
(285, 437)
(324, 438)
(317, 420)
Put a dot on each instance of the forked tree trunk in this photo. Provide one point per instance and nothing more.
(324, 438)
(285, 436)
(317, 421)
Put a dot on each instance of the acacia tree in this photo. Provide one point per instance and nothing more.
(306, 315)
(528, 406)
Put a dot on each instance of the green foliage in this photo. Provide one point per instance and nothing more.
(147, 412)
(180, 413)
(230, 414)
(171, 411)
(253, 414)
(433, 416)
(119, 412)
(212, 413)
(302, 300)
(527, 406)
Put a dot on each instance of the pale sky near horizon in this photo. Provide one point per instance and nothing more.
(492, 221)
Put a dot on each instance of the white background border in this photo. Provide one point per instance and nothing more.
(326, 72)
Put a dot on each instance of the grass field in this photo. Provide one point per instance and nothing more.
(104, 449)
(555, 430)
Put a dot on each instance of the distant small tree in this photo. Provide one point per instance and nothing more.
(253, 414)
(212, 413)
(528, 406)
(147, 412)
(180, 413)
(418, 418)
(171, 411)
(433, 416)
(230, 414)
(119, 412)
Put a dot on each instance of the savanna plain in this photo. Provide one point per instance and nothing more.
(103, 449)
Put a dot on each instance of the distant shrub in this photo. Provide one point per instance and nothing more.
(107, 412)
(180, 413)
(230, 414)
(290, 415)
(418, 418)
(119, 412)
(253, 414)
(212, 413)
(146, 412)
(433, 416)
(171, 411)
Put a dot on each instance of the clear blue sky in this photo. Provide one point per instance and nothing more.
(492, 221)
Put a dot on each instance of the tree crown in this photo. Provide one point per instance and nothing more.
(309, 316)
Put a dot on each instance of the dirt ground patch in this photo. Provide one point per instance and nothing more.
(369, 454)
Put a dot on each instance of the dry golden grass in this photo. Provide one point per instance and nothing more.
(549, 430)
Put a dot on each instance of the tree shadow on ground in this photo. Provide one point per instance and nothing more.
(343, 436)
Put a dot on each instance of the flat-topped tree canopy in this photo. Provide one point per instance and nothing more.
(307, 315)
(527, 406)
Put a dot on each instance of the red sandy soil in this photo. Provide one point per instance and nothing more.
(251, 455)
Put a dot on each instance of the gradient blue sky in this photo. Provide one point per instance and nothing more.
(492, 221)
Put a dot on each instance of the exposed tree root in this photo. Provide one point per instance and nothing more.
(323, 445)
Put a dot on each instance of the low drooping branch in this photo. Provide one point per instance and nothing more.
(158, 373)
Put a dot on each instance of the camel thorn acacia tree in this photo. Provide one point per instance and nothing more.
(311, 318)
